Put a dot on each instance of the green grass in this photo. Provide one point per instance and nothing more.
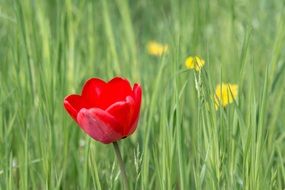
(49, 48)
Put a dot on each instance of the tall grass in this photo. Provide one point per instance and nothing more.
(49, 48)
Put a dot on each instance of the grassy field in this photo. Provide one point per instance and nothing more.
(49, 48)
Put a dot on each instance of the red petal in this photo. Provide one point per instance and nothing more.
(123, 113)
(73, 103)
(91, 91)
(99, 124)
(114, 91)
(137, 97)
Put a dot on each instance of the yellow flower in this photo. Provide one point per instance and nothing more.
(156, 49)
(225, 94)
(194, 63)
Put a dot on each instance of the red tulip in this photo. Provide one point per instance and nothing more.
(106, 111)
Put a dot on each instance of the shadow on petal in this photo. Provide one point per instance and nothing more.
(100, 125)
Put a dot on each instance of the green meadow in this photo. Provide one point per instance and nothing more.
(49, 48)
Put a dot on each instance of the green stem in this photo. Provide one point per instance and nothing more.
(121, 164)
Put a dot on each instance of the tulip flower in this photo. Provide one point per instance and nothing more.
(107, 111)
(156, 49)
(225, 94)
(194, 63)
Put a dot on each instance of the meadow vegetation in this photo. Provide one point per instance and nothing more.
(48, 48)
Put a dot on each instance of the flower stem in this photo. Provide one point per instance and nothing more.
(121, 164)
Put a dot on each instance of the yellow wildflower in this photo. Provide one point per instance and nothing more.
(225, 94)
(156, 49)
(194, 63)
